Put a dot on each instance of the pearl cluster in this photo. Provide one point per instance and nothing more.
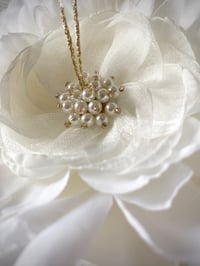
(91, 104)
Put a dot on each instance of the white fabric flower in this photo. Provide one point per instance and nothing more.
(125, 195)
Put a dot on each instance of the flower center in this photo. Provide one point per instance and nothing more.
(94, 104)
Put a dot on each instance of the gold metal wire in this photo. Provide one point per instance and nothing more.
(78, 35)
(75, 51)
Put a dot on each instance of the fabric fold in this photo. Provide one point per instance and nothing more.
(67, 240)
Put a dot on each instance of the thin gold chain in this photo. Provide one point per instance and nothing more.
(78, 36)
(75, 56)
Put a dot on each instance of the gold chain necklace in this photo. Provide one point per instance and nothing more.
(91, 100)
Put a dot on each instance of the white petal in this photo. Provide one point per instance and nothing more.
(192, 86)
(32, 166)
(130, 174)
(167, 120)
(21, 228)
(146, 6)
(193, 162)
(66, 241)
(193, 35)
(159, 193)
(117, 244)
(10, 45)
(167, 33)
(40, 16)
(189, 142)
(9, 184)
(183, 12)
(174, 233)
(27, 193)
(37, 17)
(138, 41)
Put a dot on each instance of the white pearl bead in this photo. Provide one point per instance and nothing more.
(67, 106)
(114, 91)
(63, 97)
(80, 107)
(86, 77)
(111, 108)
(95, 107)
(95, 84)
(76, 94)
(74, 119)
(88, 95)
(71, 86)
(107, 83)
(102, 95)
(102, 120)
(85, 74)
(67, 90)
(91, 102)
(87, 120)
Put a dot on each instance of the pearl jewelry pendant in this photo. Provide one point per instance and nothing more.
(93, 104)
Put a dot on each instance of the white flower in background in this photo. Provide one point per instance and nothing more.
(125, 195)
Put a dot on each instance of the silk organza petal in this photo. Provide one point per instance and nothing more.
(189, 142)
(193, 163)
(183, 12)
(192, 85)
(193, 35)
(20, 192)
(45, 18)
(36, 17)
(171, 182)
(9, 185)
(16, 43)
